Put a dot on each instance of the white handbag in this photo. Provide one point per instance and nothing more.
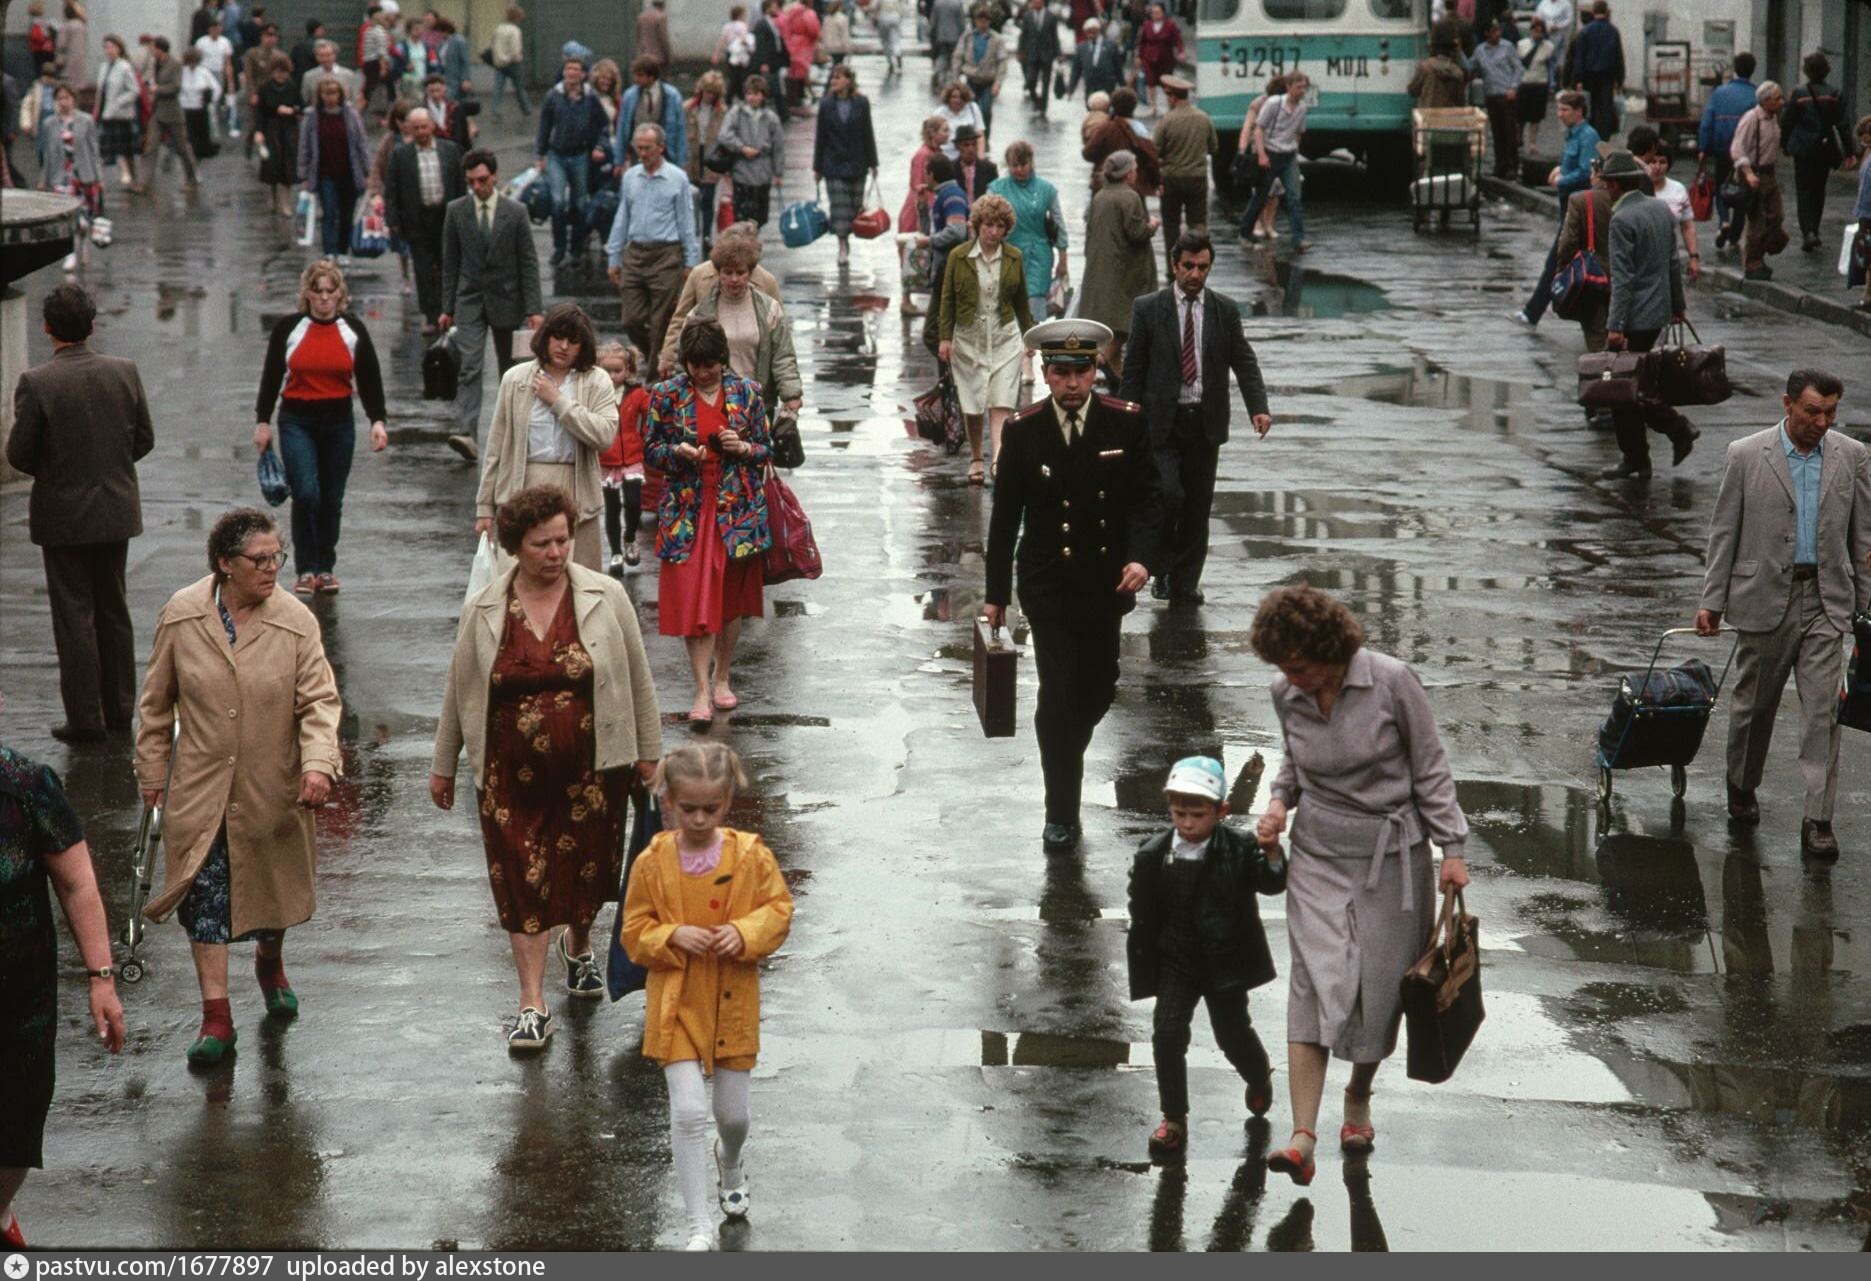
(1845, 248)
(481, 570)
(308, 217)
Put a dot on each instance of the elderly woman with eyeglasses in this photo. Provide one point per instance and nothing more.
(241, 665)
(315, 362)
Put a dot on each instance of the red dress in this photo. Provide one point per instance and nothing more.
(700, 594)
(552, 824)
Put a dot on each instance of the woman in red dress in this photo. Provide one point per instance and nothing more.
(708, 436)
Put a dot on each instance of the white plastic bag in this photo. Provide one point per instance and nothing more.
(308, 217)
(1845, 246)
(481, 571)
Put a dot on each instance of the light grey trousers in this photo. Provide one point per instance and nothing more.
(1809, 648)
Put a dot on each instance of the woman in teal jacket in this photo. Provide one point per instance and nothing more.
(1039, 223)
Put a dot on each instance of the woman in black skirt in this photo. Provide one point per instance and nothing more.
(276, 129)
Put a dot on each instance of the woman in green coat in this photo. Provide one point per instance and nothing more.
(983, 313)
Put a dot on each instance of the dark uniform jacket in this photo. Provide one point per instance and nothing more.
(1153, 362)
(1078, 515)
(493, 276)
(1227, 928)
(80, 422)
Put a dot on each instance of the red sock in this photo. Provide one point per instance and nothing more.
(270, 969)
(217, 1019)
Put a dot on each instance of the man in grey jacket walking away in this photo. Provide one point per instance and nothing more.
(490, 280)
(1646, 295)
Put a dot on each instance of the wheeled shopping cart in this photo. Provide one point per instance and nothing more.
(1659, 718)
(143, 864)
(1449, 143)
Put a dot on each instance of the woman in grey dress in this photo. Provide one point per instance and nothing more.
(1370, 787)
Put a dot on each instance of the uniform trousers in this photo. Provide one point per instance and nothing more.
(652, 279)
(1075, 654)
(1808, 647)
(470, 343)
(425, 253)
(1765, 233)
(1186, 465)
(92, 632)
(1184, 199)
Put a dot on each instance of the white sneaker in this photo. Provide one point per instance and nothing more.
(700, 1243)
(737, 1200)
(70, 265)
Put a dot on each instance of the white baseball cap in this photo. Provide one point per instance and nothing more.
(1198, 776)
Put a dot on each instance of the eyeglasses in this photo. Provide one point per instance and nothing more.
(272, 560)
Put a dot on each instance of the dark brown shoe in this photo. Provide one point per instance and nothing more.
(1742, 807)
(78, 733)
(1817, 841)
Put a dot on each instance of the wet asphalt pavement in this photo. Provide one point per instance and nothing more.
(1678, 1047)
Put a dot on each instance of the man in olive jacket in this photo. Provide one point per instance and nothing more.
(490, 280)
(80, 423)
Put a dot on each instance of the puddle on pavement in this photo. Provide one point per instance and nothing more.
(1303, 293)
(1475, 404)
(1315, 514)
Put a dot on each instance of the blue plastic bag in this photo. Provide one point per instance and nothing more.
(623, 975)
(370, 233)
(802, 223)
(273, 486)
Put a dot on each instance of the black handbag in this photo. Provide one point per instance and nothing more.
(441, 368)
(1442, 1008)
(1681, 374)
(623, 975)
(1855, 694)
(720, 158)
(789, 451)
(1058, 84)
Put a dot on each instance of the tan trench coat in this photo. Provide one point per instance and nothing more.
(254, 718)
(629, 726)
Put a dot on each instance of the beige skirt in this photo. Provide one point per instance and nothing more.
(587, 550)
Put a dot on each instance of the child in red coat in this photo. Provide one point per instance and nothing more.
(622, 463)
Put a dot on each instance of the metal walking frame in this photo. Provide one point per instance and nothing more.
(1643, 712)
(143, 862)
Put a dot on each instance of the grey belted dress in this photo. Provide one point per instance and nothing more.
(1367, 789)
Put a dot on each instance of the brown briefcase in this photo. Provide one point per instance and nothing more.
(1611, 379)
(995, 661)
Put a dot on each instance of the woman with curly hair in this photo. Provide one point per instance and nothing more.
(956, 108)
(1369, 786)
(708, 437)
(984, 312)
(550, 691)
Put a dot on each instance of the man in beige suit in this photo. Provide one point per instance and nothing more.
(1787, 565)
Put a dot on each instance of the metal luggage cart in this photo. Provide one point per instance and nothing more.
(1657, 734)
(1449, 143)
(143, 862)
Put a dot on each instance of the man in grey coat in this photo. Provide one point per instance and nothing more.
(490, 280)
(80, 423)
(1789, 561)
(1646, 295)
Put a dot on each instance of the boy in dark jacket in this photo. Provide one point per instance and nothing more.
(1195, 937)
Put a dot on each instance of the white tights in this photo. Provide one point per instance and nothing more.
(688, 1130)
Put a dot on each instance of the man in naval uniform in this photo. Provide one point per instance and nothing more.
(1076, 512)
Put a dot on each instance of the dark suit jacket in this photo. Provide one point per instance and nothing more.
(402, 186)
(493, 277)
(80, 423)
(985, 171)
(1100, 77)
(1153, 362)
(1039, 37)
(1071, 519)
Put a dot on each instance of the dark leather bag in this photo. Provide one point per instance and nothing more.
(995, 667)
(794, 553)
(1687, 374)
(1442, 1007)
(1611, 379)
(1855, 694)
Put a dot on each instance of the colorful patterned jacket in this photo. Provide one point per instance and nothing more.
(741, 512)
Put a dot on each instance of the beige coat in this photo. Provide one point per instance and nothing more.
(254, 718)
(586, 409)
(1751, 533)
(629, 726)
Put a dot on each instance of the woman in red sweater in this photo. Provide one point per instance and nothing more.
(1159, 44)
(315, 362)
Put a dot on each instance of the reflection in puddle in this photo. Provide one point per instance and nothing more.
(1315, 514)
(1305, 294)
(1475, 404)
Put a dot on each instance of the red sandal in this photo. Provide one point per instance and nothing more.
(1354, 1139)
(1289, 1161)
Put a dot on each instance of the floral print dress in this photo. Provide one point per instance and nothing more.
(551, 823)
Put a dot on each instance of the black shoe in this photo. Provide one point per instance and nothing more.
(1681, 445)
(1808, 244)
(1625, 471)
(1759, 273)
(77, 734)
(1742, 807)
(558, 256)
(1817, 841)
(1159, 588)
(1193, 596)
(581, 971)
(1060, 836)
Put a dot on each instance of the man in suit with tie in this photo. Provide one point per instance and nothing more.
(1097, 62)
(80, 423)
(424, 176)
(1076, 514)
(1788, 552)
(490, 280)
(1183, 341)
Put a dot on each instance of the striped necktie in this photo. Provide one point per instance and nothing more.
(1190, 370)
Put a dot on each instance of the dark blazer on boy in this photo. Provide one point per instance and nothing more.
(1234, 945)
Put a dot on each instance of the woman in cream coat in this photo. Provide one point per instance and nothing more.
(552, 418)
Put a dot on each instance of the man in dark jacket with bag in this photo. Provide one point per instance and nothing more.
(1646, 295)
(81, 422)
(1196, 939)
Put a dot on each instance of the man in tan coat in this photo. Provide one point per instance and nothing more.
(1789, 561)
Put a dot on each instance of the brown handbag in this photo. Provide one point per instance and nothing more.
(1442, 994)
(1682, 374)
(1611, 379)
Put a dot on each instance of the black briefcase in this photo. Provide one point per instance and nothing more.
(1442, 994)
(995, 663)
(1855, 693)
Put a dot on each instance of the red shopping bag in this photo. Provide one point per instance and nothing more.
(1702, 196)
(794, 552)
(724, 213)
(873, 220)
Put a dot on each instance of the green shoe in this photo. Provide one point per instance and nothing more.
(281, 1002)
(210, 1049)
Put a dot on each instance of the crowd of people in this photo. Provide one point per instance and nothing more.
(1098, 496)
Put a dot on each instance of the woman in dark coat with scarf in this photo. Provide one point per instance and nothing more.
(844, 154)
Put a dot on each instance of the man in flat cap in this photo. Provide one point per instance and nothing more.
(1076, 512)
(1184, 139)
